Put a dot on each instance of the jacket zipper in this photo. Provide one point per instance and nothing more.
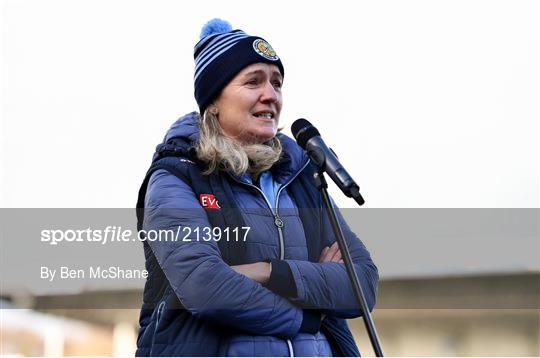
(277, 219)
(159, 312)
(282, 243)
(278, 222)
(158, 317)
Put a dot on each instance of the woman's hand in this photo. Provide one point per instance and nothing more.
(331, 254)
(257, 271)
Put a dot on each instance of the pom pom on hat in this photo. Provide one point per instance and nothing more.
(215, 26)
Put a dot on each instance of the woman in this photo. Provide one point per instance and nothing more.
(256, 270)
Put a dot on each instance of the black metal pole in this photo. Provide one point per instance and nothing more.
(321, 184)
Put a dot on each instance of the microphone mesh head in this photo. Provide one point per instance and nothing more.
(303, 131)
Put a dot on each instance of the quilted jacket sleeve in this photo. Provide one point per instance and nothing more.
(203, 282)
(326, 286)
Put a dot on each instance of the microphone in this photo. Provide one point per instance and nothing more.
(309, 138)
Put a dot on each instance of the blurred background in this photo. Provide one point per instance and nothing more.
(432, 106)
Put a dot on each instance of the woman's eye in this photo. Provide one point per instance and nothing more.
(252, 82)
(277, 84)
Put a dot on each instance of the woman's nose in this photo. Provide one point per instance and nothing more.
(269, 93)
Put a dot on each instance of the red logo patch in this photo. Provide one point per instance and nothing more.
(209, 201)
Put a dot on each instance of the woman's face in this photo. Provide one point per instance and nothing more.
(248, 107)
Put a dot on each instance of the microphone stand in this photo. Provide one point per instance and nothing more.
(322, 185)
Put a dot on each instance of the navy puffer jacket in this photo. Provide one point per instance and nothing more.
(196, 305)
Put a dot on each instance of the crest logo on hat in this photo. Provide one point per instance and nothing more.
(264, 49)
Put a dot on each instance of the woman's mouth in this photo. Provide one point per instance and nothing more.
(264, 115)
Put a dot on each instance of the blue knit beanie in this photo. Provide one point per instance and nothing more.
(223, 52)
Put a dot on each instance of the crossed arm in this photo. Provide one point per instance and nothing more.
(261, 271)
(323, 286)
(233, 295)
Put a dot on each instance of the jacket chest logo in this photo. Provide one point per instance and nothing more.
(209, 201)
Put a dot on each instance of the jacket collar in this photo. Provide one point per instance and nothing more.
(292, 159)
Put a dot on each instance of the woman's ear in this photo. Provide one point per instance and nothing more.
(213, 109)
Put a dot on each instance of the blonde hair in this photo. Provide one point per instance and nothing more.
(220, 152)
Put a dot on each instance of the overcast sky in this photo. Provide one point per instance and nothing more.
(427, 103)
